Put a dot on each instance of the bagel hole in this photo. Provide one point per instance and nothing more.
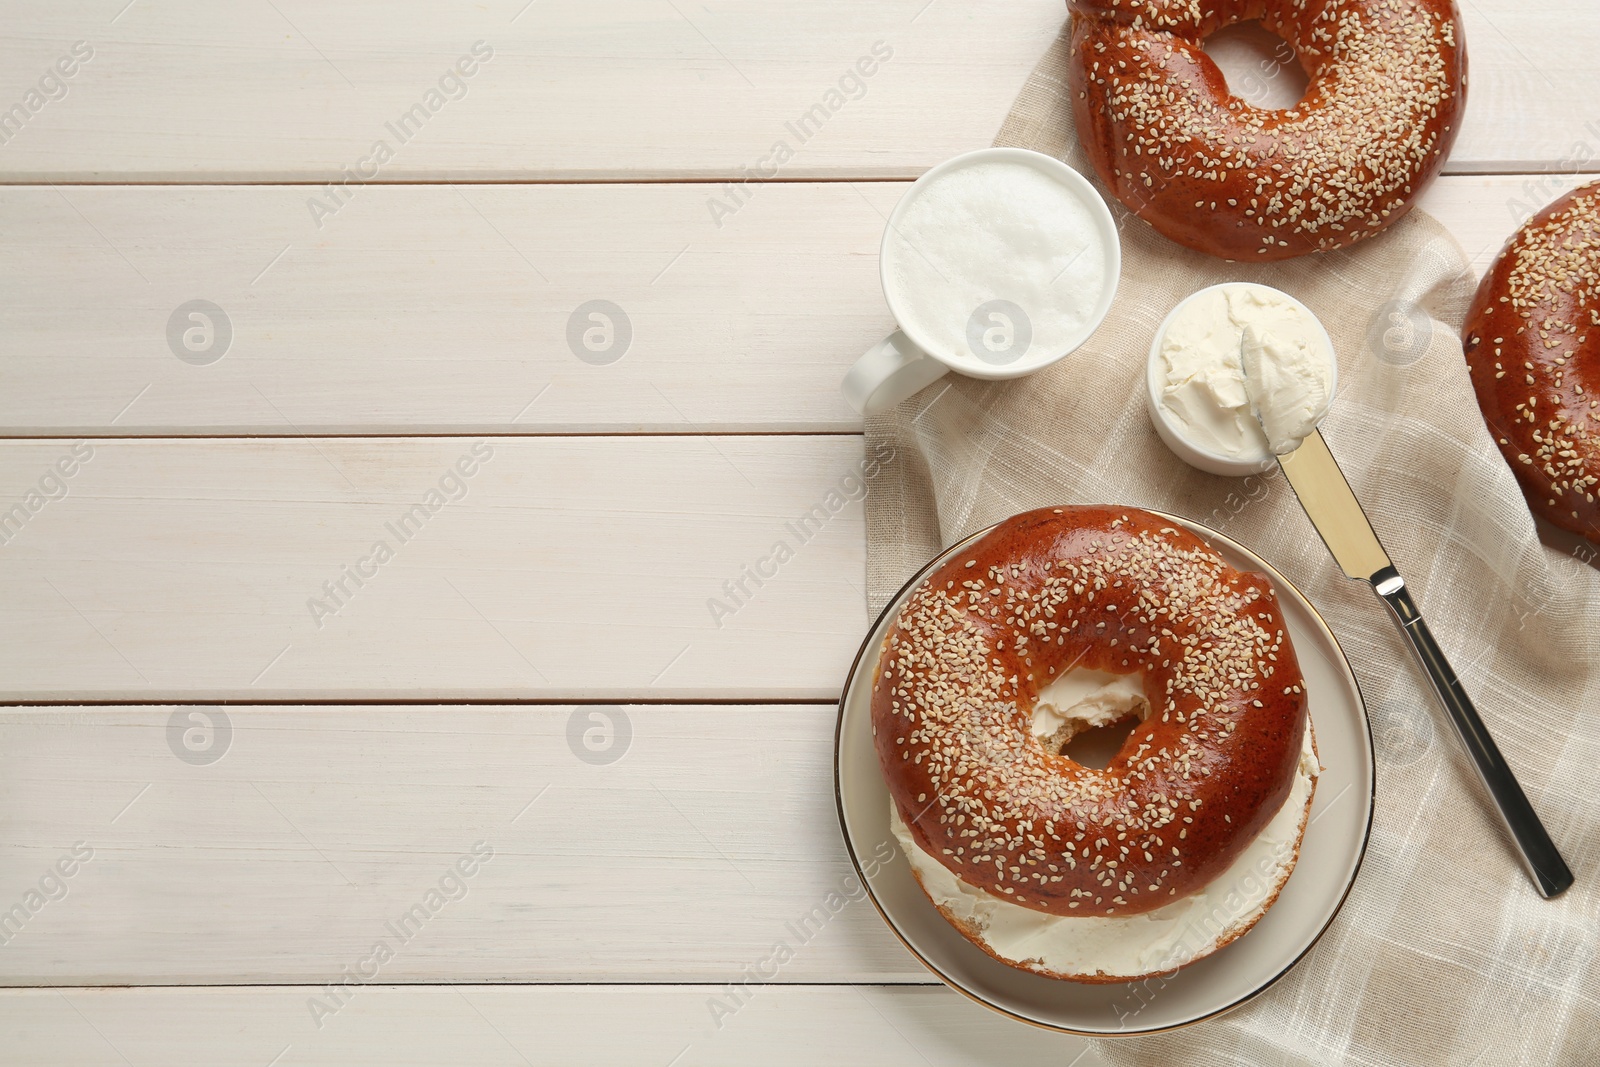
(1097, 746)
(1089, 711)
(1261, 68)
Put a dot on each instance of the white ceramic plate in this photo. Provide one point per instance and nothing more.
(1335, 840)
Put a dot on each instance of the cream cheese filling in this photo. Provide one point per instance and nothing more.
(1082, 699)
(1129, 945)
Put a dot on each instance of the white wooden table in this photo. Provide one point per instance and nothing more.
(532, 669)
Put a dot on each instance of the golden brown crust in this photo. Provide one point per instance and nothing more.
(1209, 170)
(1533, 347)
(1114, 589)
(973, 934)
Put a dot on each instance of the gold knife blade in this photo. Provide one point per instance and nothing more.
(1333, 508)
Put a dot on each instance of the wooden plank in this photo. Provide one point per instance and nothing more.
(436, 310)
(1530, 103)
(1482, 213)
(573, 90)
(564, 568)
(598, 1026)
(296, 91)
(601, 843)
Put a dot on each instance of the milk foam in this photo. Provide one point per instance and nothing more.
(996, 230)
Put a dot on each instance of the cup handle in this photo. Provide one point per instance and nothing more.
(892, 370)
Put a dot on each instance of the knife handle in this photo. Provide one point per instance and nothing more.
(1539, 855)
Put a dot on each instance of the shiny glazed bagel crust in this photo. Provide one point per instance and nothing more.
(1112, 589)
(1387, 90)
(1532, 342)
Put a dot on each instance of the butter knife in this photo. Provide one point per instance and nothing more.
(1333, 509)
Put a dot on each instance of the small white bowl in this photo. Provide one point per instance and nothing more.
(1192, 453)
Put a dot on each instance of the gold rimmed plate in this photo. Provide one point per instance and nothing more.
(1331, 853)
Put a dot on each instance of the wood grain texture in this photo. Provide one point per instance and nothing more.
(438, 309)
(598, 1026)
(1483, 212)
(709, 837)
(431, 309)
(576, 90)
(569, 568)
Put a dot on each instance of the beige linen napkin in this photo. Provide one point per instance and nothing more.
(1443, 953)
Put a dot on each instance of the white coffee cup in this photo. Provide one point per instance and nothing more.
(999, 333)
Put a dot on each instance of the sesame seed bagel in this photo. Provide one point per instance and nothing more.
(1217, 174)
(1106, 589)
(1532, 341)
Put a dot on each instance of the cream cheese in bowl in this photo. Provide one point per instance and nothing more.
(1227, 354)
